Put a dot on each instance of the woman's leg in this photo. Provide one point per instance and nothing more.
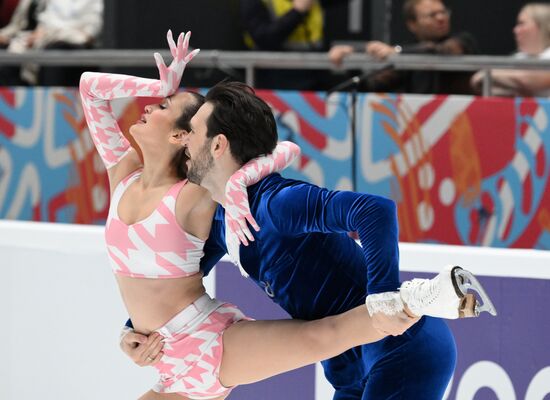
(152, 395)
(256, 350)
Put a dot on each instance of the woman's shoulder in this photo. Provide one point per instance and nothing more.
(190, 196)
(195, 210)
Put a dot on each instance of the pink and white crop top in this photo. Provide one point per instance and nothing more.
(155, 247)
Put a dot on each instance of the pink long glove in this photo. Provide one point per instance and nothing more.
(237, 208)
(97, 89)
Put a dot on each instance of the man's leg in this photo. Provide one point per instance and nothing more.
(354, 392)
(346, 374)
(417, 365)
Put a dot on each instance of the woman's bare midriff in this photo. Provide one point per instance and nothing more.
(151, 303)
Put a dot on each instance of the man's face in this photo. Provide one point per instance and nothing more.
(198, 146)
(432, 21)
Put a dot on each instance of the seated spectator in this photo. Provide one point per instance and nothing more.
(532, 33)
(429, 21)
(49, 24)
(286, 25)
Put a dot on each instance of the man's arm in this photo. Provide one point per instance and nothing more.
(305, 208)
(143, 350)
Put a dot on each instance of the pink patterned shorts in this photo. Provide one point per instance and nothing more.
(193, 349)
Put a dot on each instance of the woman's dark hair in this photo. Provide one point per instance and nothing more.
(178, 162)
(244, 118)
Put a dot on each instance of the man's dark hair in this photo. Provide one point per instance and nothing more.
(244, 118)
(178, 162)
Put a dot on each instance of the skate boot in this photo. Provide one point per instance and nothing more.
(447, 295)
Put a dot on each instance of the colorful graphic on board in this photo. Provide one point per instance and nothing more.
(463, 170)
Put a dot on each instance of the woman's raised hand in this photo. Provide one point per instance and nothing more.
(170, 76)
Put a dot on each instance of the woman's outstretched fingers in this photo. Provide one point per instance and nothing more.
(172, 44)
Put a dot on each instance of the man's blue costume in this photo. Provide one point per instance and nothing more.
(305, 261)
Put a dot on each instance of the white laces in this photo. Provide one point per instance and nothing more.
(423, 292)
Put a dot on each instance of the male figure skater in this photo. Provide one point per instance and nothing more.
(305, 261)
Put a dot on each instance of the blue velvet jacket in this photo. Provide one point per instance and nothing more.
(303, 257)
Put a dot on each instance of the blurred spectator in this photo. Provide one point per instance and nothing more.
(532, 33)
(7, 8)
(286, 25)
(430, 22)
(49, 24)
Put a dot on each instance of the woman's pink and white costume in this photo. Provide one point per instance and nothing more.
(157, 247)
(193, 349)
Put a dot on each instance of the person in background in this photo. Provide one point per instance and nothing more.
(7, 7)
(430, 22)
(532, 33)
(49, 24)
(286, 25)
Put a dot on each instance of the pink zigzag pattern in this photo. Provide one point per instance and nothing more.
(154, 247)
(237, 208)
(191, 360)
(98, 89)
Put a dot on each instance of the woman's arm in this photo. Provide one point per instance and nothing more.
(521, 82)
(237, 208)
(98, 89)
(514, 82)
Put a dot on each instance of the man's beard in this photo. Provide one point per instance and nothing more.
(200, 165)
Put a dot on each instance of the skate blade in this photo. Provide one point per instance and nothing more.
(466, 281)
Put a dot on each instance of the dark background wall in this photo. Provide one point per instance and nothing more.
(142, 24)
(215, 23)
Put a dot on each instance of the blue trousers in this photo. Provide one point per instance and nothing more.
(416, 365)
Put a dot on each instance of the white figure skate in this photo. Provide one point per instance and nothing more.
(448, 295)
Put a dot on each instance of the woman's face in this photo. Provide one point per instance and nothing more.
(157, 123)
(527, 33)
